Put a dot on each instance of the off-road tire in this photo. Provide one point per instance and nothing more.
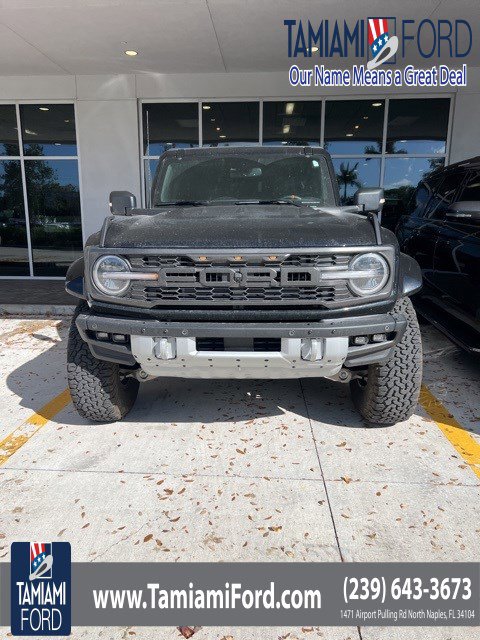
(389, 393)
(99, 390)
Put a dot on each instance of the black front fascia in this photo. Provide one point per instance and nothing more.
(391, 324)
(388, 295)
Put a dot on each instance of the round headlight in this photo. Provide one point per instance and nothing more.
(369, 274)
(105, 271)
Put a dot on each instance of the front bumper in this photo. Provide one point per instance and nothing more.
(305, 348)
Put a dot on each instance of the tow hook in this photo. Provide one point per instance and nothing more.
(344, 375)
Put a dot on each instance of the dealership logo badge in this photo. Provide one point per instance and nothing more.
(41, 560)
(40, 589)
(382, 45)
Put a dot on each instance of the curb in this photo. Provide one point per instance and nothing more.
(36, 310)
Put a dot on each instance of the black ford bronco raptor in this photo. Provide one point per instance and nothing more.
(245, 266)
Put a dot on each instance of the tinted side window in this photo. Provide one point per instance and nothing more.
(471, 188)
(444, 195)
(419, 200)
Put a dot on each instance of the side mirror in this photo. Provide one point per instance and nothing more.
(121, 202)
(370, 199)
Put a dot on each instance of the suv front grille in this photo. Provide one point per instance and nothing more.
(300, 260)
(291, 279)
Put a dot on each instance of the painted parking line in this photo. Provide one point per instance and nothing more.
(23, 433)
(461, 440)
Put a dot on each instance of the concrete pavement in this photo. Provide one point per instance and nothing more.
(239, 470)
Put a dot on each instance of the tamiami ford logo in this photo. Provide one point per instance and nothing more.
(40, 587)
(378, 48)
(382, 45)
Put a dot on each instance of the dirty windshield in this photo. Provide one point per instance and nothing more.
(243, 179)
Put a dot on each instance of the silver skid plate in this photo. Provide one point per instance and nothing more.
(179, 357)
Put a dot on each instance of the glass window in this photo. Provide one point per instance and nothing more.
(401, 178)
(169, 125)
(355, 173)
(418, 126)
(8, 131)
(48, 129)
(245, 177)
(13, 230)
(230, 123)
(471, 190)
(149, 168)
(444, 195)
(292, 123)
(419, 200)
(354, 126)
(54, 211)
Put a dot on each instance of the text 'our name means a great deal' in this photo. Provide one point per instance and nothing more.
(359, 76)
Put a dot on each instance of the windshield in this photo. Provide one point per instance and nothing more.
(263, 177)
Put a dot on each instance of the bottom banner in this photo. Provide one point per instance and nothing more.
(239, 594)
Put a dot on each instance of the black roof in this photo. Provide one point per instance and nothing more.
(289, 150)
(463, 164)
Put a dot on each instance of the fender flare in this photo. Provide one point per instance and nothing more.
(410, 276)
(74, 280)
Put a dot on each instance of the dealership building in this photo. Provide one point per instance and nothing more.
(82, 115)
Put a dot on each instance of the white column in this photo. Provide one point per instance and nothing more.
(466, 126)
(107, 133)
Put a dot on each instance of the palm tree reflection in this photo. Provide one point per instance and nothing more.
(347, 177)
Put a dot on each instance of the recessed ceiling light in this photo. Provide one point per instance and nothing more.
(222, 136)
(57, 144)
(289, 107)
(212, 119)
(44, 108)
(66, 120)
(357, 126)
(313, 49)
(131, 52)
(286, 128)
(206, 107)
(218, 128)
(376, 104)
(349, 135)
(365, 117)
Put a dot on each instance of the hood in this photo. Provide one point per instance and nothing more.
(239, 226)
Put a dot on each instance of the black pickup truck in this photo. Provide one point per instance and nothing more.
(245, 266)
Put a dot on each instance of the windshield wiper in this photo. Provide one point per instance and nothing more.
(182, 203)
(296, 202)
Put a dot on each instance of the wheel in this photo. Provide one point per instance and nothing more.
(389, 393)
(100, 391)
